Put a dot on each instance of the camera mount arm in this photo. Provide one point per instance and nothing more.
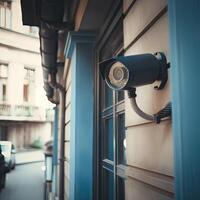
(157, 118)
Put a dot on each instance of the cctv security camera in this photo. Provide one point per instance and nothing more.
(128, 72)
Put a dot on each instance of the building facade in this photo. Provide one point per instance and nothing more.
(133, 156)
(105, 150)
(22, 100)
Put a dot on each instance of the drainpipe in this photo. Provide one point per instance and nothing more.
(48, 15)
(53, 83)
(49, 48)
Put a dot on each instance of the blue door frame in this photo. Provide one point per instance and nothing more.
(184, 21)
(80, 49)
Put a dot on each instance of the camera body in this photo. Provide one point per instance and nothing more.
(128, 72)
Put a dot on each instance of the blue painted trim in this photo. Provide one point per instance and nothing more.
(77, 37)
(55, 150)
(73, 131)
(55, 137)
(185, 71)
(80, 50)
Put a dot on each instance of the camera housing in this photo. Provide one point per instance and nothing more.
(128, 72)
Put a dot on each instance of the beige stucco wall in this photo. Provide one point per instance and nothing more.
(17, 60)
(149, 145)
(18, 49)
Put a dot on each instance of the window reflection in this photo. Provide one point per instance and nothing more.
(108, 96)
(108, 187)
(120, 96)
(109, 139)
(122, 139)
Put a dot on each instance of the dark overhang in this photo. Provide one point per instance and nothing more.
(96, 14)
(30, 12)
(55, 18)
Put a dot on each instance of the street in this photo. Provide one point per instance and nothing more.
(29, 156)
(24, 183)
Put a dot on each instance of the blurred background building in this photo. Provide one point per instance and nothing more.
(101, 149)
(24, 110)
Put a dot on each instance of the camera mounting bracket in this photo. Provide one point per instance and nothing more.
(163, 70)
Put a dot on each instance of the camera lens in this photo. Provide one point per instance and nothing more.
(118, 76)
(118, 73)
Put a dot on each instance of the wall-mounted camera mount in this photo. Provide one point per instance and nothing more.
(129, 72)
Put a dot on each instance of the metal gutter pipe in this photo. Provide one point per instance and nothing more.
(51, 16)
(49, 49)
(61, 89)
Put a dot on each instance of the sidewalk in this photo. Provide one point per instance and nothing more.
(29, 156)
(26, 182)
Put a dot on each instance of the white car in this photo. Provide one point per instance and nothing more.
(8, 150)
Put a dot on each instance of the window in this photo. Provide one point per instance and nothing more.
(4, 92)
(111, 137)
(29, 74)
(5, 14)
(3, 81)
(29, 85)
(25, 92)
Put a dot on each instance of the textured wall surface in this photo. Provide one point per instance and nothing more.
(149, 146)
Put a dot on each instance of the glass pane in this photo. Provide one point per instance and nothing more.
(108, 186)
(29, 74)
(109, 139)
(120, 96)
(4, 92)
(122, 139)
(120, 189)
(25, 92)
(108, 96)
